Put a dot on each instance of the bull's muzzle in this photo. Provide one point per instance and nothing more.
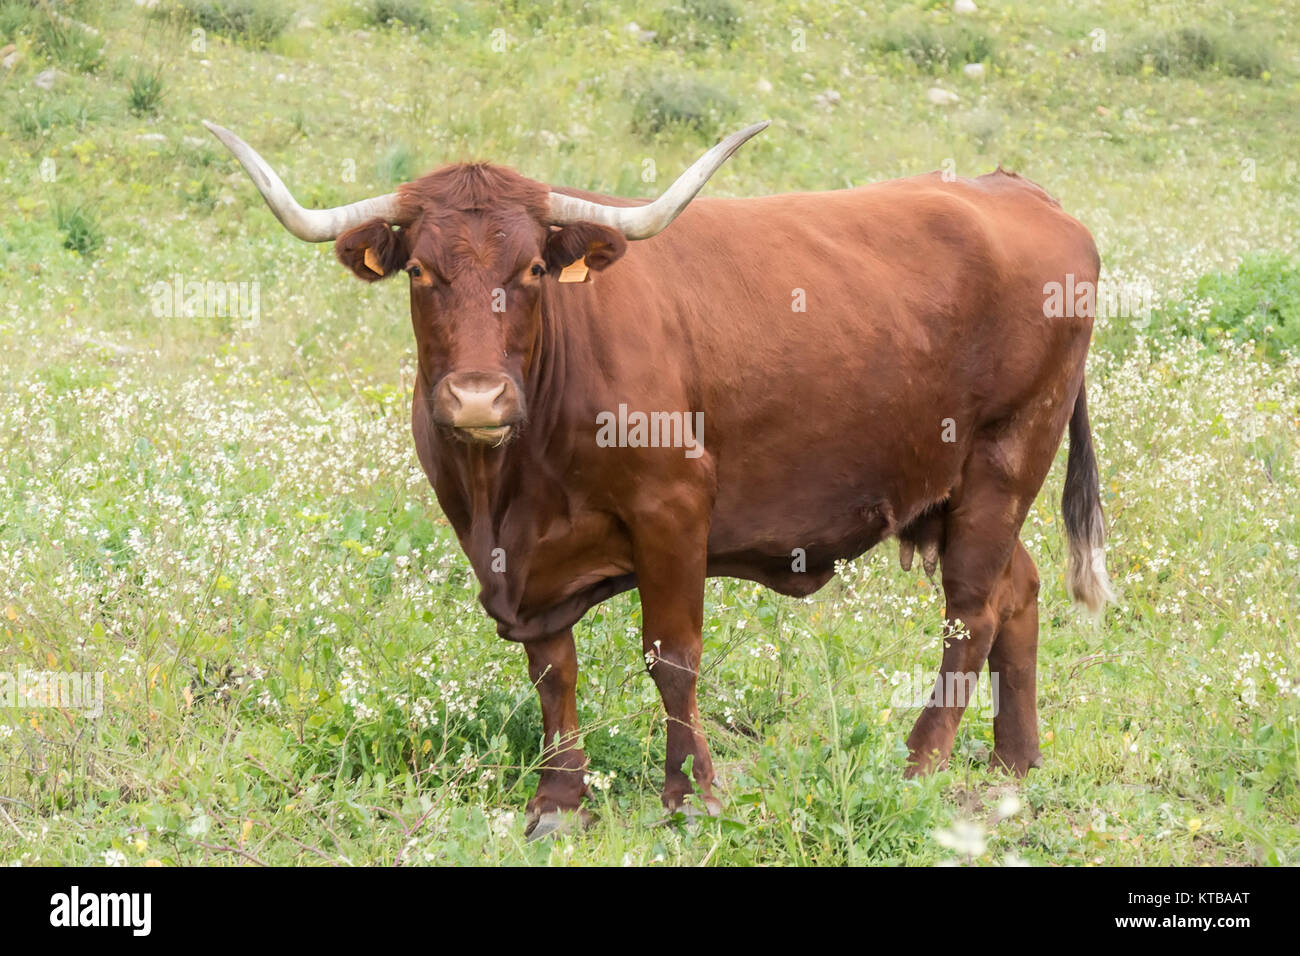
(483, 407)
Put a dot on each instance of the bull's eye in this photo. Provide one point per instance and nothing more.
(414, 272)
(537, 269)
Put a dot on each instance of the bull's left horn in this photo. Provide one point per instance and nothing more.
(642, 222)
(313, 225)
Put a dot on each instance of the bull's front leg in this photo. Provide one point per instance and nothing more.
(553, 669)
(670, 559)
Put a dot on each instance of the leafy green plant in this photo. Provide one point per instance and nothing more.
(699, 24)
(934, 47)
(1188, 50)
(397, 164)
(144, 91)
(81, 229)
(412, 13)
(69, 43)
(253, 22)
(666, 101)
(1259, 301)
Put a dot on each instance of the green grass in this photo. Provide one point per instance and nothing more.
(699, 24)
(678, 102)
(1258, 302)
(253, 22)
(411, 13)
(934, 47)
(81, 230)
(1188, 50)
(67, 41)
(227, 519)
(145, 91)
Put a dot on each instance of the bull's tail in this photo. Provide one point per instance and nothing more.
(1085, 527)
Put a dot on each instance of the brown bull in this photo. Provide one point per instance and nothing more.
(830, 369)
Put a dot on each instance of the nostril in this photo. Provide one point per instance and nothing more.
(478, 402)
(466, 397)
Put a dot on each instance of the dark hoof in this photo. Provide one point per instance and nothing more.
(1018, 768)
(694, 809)
(556, 823)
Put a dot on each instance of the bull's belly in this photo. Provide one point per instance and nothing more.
(787, 529)
(799, 560)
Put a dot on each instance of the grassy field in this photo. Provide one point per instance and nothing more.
(223, 514)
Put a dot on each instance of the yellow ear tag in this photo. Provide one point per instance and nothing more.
(372, 262)
(575, 271)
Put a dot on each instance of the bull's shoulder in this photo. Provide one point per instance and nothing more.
(1006, 181)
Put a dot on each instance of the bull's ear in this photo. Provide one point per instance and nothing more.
(372, 250)
(601, 246)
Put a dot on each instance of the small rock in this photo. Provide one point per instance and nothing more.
(152, 138)
(645, 36)
(965, 7)
(974, 70)
(763, 86)
(1102, 111)
(827, 100)
(941, 97)
(45, 79)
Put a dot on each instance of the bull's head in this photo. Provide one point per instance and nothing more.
(478, 242)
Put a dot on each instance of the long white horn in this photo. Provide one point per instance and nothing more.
(642, 222)
(313, 225)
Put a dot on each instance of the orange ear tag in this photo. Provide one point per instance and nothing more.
(575, 271)
(372, 262)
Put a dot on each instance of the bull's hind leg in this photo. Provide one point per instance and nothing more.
(553, 669)
(1013, 668)
(980, 536)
